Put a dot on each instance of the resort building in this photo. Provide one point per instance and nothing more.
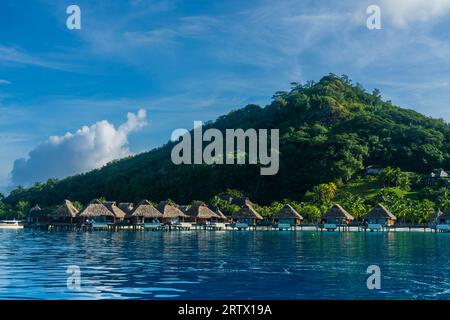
(373, 170)
(119, 215)
(433, 177)
(247, 215)
(287, 215)
(64, 214)
(171, 213)
(97, 213)
(145, 212)
(379, 215)
(337, 215)
(200, 214)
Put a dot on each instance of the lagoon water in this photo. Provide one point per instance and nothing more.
(223, 265)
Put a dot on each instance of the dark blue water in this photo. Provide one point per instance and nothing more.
(223, 265)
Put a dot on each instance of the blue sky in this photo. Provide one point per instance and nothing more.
(182, 61)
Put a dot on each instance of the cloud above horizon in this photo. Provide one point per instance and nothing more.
(404, 12)
(90, 147)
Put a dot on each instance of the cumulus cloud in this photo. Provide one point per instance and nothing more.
(88, 148)
(404, 12)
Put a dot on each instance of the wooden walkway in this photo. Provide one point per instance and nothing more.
(121, 226)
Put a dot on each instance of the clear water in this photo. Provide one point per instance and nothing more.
(223, 265)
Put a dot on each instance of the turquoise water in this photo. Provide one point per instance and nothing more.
(223, 265)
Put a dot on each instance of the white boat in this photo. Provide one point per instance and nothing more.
(10, 224)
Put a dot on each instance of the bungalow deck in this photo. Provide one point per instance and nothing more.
(119, 226)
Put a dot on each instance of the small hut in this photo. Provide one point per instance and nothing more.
(337, 215)
(287, 215)
(64, 214)
(112, 206)
(380, 215)
(200, 214)
(145, 212)
(247, 215)
(37, 216)
(170, 212)
(97, 213)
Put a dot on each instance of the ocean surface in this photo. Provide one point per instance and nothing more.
(222, 265)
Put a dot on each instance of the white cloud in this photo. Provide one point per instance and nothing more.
(88, 148)
(404, 12)
(14, 55)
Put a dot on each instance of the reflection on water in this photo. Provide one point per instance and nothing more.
(223, 265)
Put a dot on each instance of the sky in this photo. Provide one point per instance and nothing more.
(72, 100)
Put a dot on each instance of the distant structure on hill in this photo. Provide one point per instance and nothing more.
(373, 170)
(433, 177)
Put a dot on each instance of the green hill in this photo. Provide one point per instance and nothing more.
(329, 131)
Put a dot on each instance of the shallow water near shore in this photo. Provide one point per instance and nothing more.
(223, 265)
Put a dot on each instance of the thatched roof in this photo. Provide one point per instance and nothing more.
(36, 211)
(247, 212)
(35, 208)
(67, 209)
(336, 211)
(219, 213)
(127, 207)
(112, 206)
(201, 211)
(96, 209)
(147, 210)
(287, 212)
(380, 212)
(170, 211)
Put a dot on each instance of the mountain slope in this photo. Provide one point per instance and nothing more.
(328, 131)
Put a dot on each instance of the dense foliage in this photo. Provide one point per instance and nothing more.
(329, 131)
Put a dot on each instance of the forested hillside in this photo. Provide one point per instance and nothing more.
(329, 131)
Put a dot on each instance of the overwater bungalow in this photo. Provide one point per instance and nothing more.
(65, 214)
(97, 214)
(171, 214)
(112, 206)
(287, 216)
(379, 215)
(336, 216)
(246, 216)
(201, 214)
(37, 216)
(145, 213)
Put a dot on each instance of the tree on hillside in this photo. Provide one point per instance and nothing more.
(22, 208)
(322, 194)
